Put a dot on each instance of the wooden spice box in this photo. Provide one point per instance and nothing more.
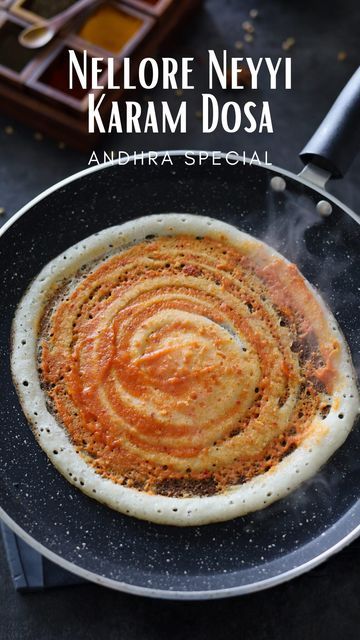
(34, 83)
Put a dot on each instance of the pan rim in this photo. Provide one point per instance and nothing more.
(174, 153)
(165, 593)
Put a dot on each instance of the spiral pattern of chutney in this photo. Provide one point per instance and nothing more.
(183, 365)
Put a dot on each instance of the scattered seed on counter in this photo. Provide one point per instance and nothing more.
(248, 37)
(341, 56)
(9, 130)
(288, 44)
(248, 27)
(239, 45)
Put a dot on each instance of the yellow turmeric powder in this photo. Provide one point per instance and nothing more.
(110, 28)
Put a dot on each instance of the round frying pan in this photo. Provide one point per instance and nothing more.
(251, 552)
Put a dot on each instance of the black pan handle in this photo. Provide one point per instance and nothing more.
(336, 142)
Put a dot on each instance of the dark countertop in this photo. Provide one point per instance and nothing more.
(325, 602)
(321, 604)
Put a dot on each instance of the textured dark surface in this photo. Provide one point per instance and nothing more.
(326, 601)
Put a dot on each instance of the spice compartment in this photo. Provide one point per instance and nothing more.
(16, 62)
(112, 28)
(35, 10)
(50, 78)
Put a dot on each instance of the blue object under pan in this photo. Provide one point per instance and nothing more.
(29, 570)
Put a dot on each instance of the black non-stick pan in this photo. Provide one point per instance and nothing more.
(300, 219)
